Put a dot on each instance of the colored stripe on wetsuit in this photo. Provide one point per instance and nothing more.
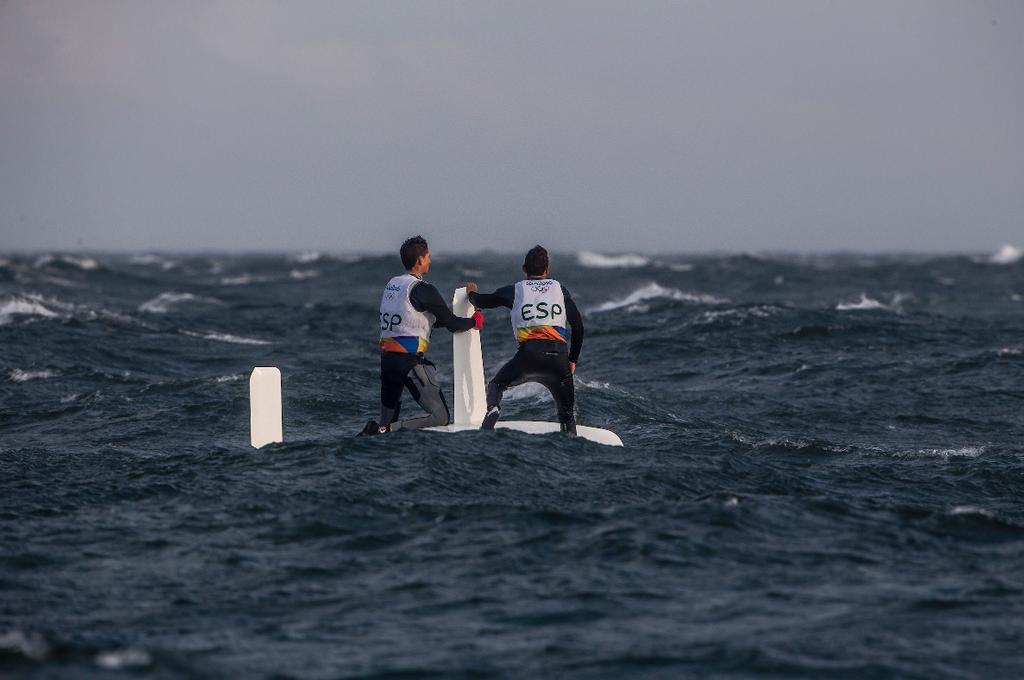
(406, 344)
(540, 333)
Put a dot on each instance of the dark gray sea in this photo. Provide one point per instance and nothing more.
(822, 474)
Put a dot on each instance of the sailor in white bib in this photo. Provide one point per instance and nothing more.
(548, 328)
(409, 310)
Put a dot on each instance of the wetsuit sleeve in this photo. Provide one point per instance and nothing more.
(503, 297)
(425, 298)
(576, 329)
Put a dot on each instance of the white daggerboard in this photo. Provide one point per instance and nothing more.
(265, 421)
(471, 395)
(467, 368)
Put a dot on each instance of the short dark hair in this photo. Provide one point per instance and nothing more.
(536, 261)
(412, 250)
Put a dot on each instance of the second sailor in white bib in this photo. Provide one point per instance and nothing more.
(548, 328)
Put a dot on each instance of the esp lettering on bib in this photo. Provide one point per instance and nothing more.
(538, 312)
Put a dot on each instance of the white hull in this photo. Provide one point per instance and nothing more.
(594, 434)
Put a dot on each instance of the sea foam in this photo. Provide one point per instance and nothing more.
(653, 291)
(227, 337)
(31, 645)
(869, 303)
(83, 263)
(20, 376)
(30, 305)
(117, 659)
(1008, 254)
(593, 260)
(163, 302)
(864, 303)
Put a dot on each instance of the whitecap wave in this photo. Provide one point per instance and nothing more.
(972, 510)
(944, 453)
(587, 258)
(148, 259)
(792, 443)
(301, 274)
(30, 305)
(163, 302)
(533, 391)
(594, 384)
(116, 659)
(653, 291)
(1008, 254)
(869, 303)
(20, 376)
(83, 263)
(244, 280)
(739, 313)
(311, 256)
(865, 302)
(31, 646)
(227, 337)
(307, 257)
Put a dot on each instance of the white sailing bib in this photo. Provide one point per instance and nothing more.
(538, 312)
(402, 327)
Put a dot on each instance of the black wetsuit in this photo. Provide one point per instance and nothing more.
(541, 361)
(414, 372)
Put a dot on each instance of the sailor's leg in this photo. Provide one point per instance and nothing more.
(393, 368)
(558, 379)
(565, 400)
(422, 384)
(512, 373)
(507, 376)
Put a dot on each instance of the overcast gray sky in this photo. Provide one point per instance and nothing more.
(608, 126)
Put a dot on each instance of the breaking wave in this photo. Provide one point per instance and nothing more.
(30, 305)
(227, 337)
(653, 291)
(79, 262)
(593, 260)
(868, 303)
(1008, 254)
(20, 376)
(163, 302)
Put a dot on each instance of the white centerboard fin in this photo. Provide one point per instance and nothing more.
(468, 368)
(265, 416)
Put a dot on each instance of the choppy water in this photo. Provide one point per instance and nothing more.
(822, 475)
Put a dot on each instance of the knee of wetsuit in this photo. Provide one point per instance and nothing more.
(439, 415)
(438, 419)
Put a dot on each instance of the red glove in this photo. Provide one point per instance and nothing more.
(478, 320)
